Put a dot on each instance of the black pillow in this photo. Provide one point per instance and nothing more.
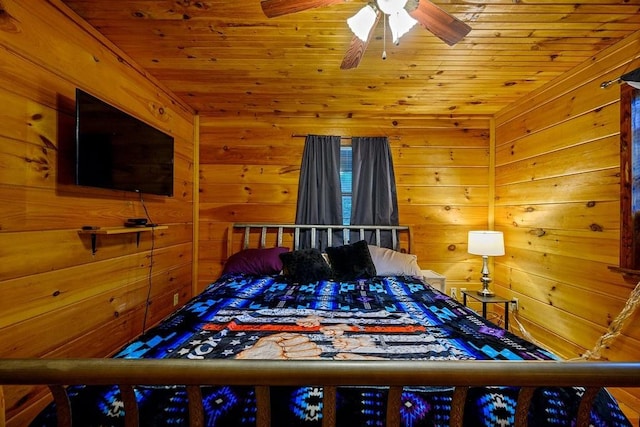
(350, 262)
(305, 266)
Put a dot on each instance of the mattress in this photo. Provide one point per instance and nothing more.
(243, 316)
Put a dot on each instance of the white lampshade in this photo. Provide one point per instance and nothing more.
(486, 243)
(362, 22)
(400, 24)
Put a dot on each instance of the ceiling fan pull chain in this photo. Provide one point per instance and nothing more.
(384, 38)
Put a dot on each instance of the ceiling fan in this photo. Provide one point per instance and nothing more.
(402, 15)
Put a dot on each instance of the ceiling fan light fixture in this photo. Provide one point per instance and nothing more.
(402, 16)
(390, 7)
(363, 22)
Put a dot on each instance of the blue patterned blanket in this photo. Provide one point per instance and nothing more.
(266, 317)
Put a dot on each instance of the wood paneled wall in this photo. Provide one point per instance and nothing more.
(558, 203)
(556, 197)
(56, 298)
(249, 168)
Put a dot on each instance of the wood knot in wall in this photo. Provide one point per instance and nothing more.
(596, 227)
(7, 22)
(539, 232)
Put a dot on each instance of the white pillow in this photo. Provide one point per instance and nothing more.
(393, 263)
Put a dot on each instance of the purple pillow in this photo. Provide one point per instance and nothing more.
(255, 261)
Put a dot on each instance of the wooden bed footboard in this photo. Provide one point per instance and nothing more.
(263, 374)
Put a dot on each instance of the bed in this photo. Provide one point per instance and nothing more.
(342, 333)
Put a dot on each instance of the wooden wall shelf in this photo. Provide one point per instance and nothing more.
(118, 230)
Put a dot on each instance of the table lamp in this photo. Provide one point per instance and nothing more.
(486, 243)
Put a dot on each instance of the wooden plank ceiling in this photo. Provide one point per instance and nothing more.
(225, 57)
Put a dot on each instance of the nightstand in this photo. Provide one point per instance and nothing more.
(436, 280)
(488, 300)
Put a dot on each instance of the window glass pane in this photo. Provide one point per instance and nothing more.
(345, 182)
(630, 178)
(345, 169)
(635, 162)
(635, 178)
(346, 210)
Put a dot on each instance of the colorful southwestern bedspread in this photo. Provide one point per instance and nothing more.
(266, 317)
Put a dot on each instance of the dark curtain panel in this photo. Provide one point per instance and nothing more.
(319, 195)
(374, 199)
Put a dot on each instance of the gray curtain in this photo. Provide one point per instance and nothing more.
(319, 194)
(374, 199)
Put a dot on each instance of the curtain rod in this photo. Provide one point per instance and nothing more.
(299, 135)
(632, 78)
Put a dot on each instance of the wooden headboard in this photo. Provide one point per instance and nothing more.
(265, 235)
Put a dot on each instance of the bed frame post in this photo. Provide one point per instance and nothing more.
(296, 239)
(63, 406)
(279, 238)
(457, 406)
(263, 406)
(230, 229)
(522, 406)
(394, 403)
(263, 237)
(329, 400)
(196, 410)
(131, 413)
(247, 231)
(3, 407)
(583, 419)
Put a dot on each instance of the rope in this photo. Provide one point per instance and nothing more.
(526, 335)
(495, 318)
(615, 327)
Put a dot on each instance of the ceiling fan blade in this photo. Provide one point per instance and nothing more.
(354, 53)
(442, 24)
(273, 8)
(356, 49)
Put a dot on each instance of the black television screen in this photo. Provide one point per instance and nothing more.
(115, 150)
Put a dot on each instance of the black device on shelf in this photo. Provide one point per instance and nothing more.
(136, 222)
(115, 150)
(139, 221)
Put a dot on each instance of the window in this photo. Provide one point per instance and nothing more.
(630, 179)
(340, 184)
(346, 179)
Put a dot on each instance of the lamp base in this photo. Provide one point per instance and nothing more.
(486, 293)
(485, 279)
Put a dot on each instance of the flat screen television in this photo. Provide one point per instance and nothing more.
(115, 150)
